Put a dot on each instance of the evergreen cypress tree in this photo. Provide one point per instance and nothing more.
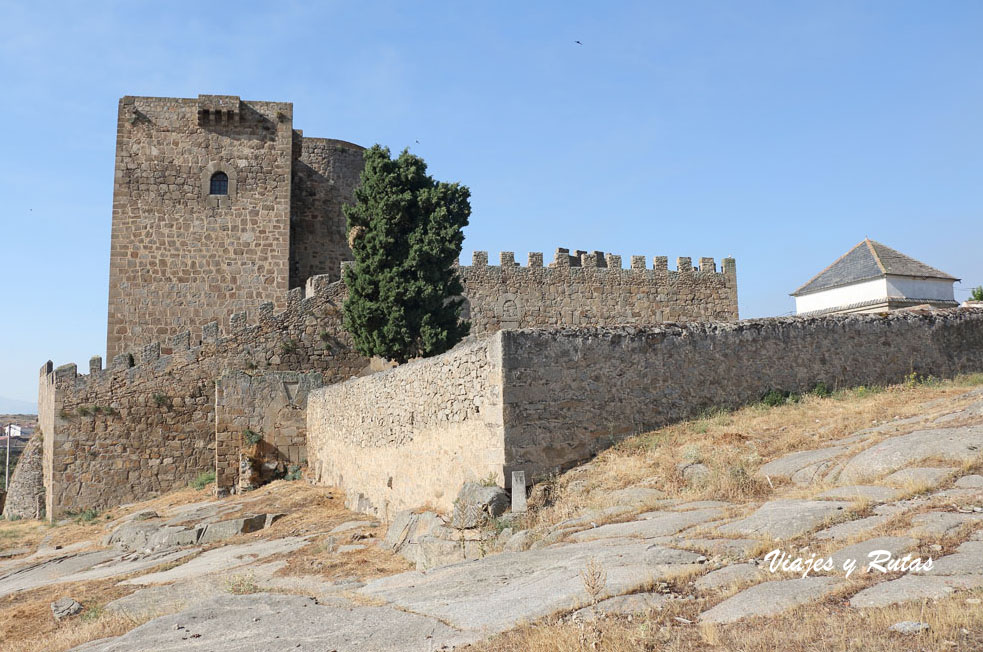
(405, 230)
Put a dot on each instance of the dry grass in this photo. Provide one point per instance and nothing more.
(735, 444)
(26, 623)
(828, 626)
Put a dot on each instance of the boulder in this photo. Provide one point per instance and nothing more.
(477, 502)
(65, 608)
(695, 473)
(909, 627)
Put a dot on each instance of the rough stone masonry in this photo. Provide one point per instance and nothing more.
(228, 242)
(542, 400)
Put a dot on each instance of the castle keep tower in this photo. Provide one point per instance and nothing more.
(219, 205)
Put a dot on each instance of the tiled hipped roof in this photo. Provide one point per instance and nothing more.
(869, 260)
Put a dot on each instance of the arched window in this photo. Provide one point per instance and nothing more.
(219, 184)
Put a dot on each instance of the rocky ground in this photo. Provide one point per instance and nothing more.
(641, 563)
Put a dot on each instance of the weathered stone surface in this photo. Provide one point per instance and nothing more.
(634, 496)
(699, 504)
(770, 598)
(694, 473)
(80, 567)
(221, 559)
(475, 503)
(65, 607)
(622, 605)
(941, 524)
(909, 627)
(917, 477)
(227, 529)
(652, 524)
(913, 587)
(957, 444)
(352, 525)
(784, 519)
(262, 622)
(499, 591)
(805, 465)
(872, 493)
(860, 526)
(736, 549)
(729, 576)
(970, 482)
(967, 560)
(861, 551)
(519, 541)
(25, 497)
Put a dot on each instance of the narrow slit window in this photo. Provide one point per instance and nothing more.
(219, 184)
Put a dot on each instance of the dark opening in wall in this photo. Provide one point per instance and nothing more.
(219, 184)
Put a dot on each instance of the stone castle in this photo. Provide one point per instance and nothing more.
(227, 352)
(228, 240)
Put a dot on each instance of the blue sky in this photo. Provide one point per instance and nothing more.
(780, 133)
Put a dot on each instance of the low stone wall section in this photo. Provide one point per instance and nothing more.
(412, 436)
(25, 496)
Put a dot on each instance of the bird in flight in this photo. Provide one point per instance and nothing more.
(578, 42)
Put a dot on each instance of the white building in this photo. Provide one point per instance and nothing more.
(874, 278)
(13, 430)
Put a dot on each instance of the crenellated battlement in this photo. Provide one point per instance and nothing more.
(182, 349)
(579, 259)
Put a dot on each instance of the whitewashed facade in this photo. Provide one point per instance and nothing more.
(872, 277)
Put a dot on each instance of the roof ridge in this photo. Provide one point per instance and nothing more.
(873, 252)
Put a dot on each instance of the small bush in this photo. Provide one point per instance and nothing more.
(776, 397)
(251, 437)
(288, 346)
(821, 390)
(242, 584)
(203, 480)
(976, 294)
(293, 472)
(162, 400)
(91, 614)
(85, 516)
(915, 379)
(84, 411)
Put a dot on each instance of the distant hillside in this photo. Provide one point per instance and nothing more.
(13, 406)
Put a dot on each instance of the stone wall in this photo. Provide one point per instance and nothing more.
(568, 393)
(25, 496)
(269, 406)
(130, 432)
(592, 289)
(325, 175)
(181, 257)
(411, 435)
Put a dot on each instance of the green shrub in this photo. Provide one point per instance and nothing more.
(293, 472)
(251, 437)
(203, 480)
(776, 397)
(162, 400)
(977, 293)
(821, 390)
(288, 346)
(84, 411)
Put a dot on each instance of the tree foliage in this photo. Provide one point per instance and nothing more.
(405, 230)
(977, 294)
